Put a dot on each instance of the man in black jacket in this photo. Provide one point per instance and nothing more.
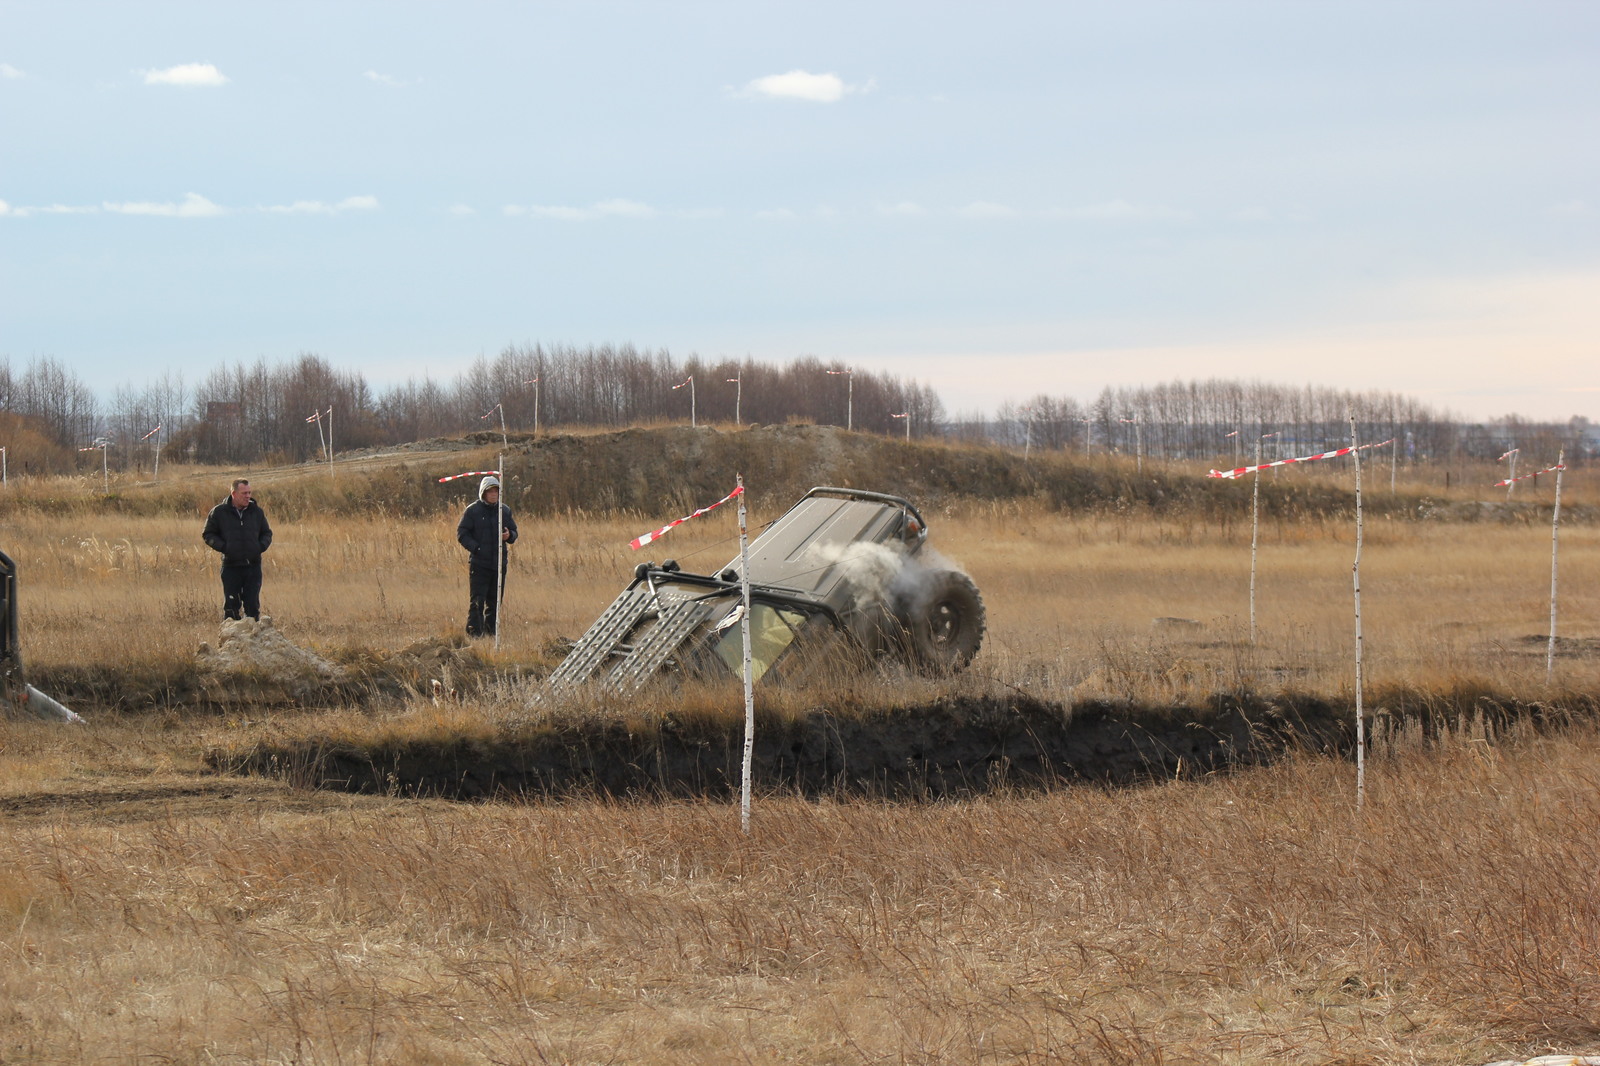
(482, 526)
(237, 527)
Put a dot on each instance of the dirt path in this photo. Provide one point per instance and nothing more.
(177, 798)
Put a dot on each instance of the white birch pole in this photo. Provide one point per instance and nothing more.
(5, 476)
(1355, 569)
(1555, 530)
(738, 397)
(157, 475)
(330, 440)
(749, 680)
(499, 545)
(1255, 536)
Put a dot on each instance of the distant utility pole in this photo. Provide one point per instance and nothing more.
(1138, 442)
(907, 416)
(849, 396)
(535, 383)
(693, 424)
(738, 395)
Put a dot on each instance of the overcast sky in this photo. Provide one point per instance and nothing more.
(997, 199)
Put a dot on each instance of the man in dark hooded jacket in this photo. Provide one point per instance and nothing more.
(237, 527)
(482, 526)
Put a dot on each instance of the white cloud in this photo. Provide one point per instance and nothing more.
(904, 207)
(985, 209)
(194, 206)
(318, 207)
(782, 214)
(604, 209)
(1573, 209)
(5, 209)
(1120, 210)
(626, 208)
(382, 79)
(187, 75)
(10, 72)
(803, 85)
(460, 209)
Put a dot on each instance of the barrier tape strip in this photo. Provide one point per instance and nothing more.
(472, 473)
(642, 540)
(1536, 473)
(152, 433)
(1508, 455)
(1243, 470)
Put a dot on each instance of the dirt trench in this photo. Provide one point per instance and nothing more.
(959, 747)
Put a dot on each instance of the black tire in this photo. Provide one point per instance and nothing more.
(944, 622)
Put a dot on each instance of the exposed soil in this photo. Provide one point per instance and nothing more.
(182, 797)
(958, 747)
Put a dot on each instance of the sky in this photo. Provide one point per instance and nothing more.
(996, 200)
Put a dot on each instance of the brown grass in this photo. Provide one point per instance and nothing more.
(1252, 919)
(150, 912)
(1073, 597)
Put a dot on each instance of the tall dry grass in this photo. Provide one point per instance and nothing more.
(1252, 919)
(1074, 599)
(150, 912)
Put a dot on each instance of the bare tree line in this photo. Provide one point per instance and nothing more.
(1222, 419)
(256, 412)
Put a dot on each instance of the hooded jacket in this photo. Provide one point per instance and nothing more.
(477, 533)
(241, 537)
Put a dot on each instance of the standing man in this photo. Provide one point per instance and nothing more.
(237, 528)
(485, 524)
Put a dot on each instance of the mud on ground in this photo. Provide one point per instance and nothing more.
(951, 748)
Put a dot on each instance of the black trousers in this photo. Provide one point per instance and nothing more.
(482, 617)
(241, 587)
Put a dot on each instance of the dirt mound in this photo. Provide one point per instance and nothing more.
(254, 649)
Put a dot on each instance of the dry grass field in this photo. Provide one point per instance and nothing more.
(151, 911)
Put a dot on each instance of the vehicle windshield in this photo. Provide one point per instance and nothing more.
(772, 630)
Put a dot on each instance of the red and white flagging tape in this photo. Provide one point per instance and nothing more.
(641, 541)
(472, 473)
(1243, 470)
(1536, 473)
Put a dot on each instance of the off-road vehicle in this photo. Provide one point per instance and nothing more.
(841, 574)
